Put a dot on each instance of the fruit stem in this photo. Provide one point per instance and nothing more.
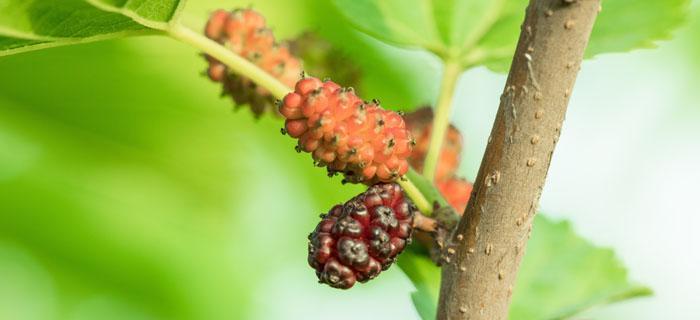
(234, 61)
(416, 196)
(441, 120)
(424, 223)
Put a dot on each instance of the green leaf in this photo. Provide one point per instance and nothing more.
(396, 21)
(9, 43)
(561, 275)
(145, 11)
(402, 79)
(27, 25)
(424, 275)
(625, 25)
(450, 29)
(486, 32)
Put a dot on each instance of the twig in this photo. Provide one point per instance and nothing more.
(424, 223)
(490, 240)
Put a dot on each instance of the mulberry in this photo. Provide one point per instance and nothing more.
(244, 32)
(361, 238)
(420, 124)
(345, 134)
(456, 191)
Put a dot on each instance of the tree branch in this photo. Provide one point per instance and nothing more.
(490, 240)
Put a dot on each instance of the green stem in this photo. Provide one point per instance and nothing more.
(235, 62)
(416, 196)
(441, 119)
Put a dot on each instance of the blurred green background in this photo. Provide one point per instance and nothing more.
(128, 190)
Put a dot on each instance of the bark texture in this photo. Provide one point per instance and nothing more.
(490, 240)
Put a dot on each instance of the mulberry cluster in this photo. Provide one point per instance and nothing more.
(345, 134)
(359, 239)
(244, 32)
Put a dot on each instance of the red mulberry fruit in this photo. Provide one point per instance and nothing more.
(361, 238)
(420, 124)
(245, 33)
(456, 192)
(345, 134)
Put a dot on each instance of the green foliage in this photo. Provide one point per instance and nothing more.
(469, 31)
(390, 73)
(625, 25)
(689, 47)
(401, 79)
(397, 21)
(425, 276)
(33, 24)
(486, 32)
(152, 11)
(129, 193)
(131, 184)
(561, 275)
(473, 32)
(568, 273)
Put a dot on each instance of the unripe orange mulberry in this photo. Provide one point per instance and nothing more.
(420, 124)
(456, 191)
(345, 134)
(244, 32)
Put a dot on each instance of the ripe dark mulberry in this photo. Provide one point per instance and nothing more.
(361, 238)
(244, 32)
(420, 124)
(345, 134)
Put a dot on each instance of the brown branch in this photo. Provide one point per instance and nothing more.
(490, 240)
